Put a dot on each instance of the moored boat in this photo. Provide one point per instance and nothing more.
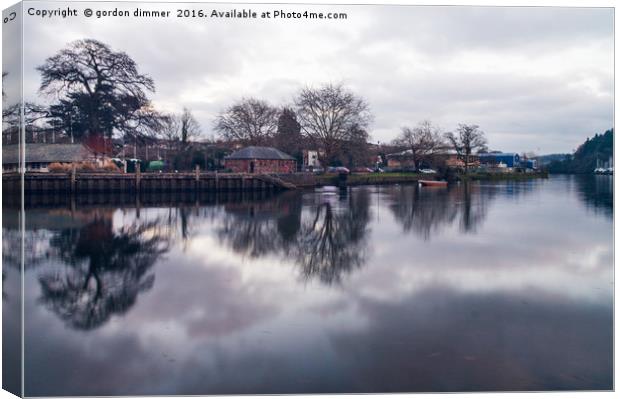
(433, 183)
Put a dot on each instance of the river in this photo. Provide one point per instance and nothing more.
(477, 287)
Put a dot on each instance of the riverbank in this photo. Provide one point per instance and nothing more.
(503, 176)
(215, 182)
(396, 178)
(372, 178)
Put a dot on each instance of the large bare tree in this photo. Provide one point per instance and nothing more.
(329, 116)
(467, 140)
(250, 121)
(423, 141)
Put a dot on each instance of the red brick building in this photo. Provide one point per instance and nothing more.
(260, 160)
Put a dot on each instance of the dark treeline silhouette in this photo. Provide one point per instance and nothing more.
(598, 149)
(98, 96)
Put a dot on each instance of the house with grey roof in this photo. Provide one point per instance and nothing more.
(40, 155)
(260, 160)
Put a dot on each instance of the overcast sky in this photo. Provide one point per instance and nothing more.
(534, 79)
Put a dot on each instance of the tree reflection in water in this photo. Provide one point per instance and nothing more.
(427, 210)
(104, 269)
(472, 210)
(325, 244)
(597, 192)
(333, 242)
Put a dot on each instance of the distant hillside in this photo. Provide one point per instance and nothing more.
(544, 160)
(584, 160)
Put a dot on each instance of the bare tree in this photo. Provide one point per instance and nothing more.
(170, 129)
(423, 141)
(169, 134)
(251, 122)
(469, 139)
(177, 131)
(328, 115)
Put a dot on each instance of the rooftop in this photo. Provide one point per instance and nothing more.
(38, 152)
(498, 154)
(406, 153)
(253, 152)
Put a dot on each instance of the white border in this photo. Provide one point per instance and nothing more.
(535, 3)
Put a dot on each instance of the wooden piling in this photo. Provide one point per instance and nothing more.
(197, 176)
(73, 177)
(138, 177)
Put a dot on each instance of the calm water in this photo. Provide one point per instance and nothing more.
(491, 286)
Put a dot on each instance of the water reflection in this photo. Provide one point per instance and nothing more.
(441, 340)
(257, 228)
(333, 242)
(490, 288)
(103, 270)
(11, 303)
(326, 242)
(426, 211)
(597, 192)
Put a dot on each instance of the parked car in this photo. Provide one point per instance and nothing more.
(338, 169)
(428, 171)
(362, 169)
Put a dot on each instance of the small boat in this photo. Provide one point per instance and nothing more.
(433, 183)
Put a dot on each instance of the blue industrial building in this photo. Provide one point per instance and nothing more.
(510, 159)
(529, 164)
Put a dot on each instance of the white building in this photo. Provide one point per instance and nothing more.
(311, 159)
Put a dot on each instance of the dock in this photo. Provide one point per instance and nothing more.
(76, 183)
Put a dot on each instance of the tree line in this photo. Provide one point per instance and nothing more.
(97, 93)
(425, 141)
(329, 117)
